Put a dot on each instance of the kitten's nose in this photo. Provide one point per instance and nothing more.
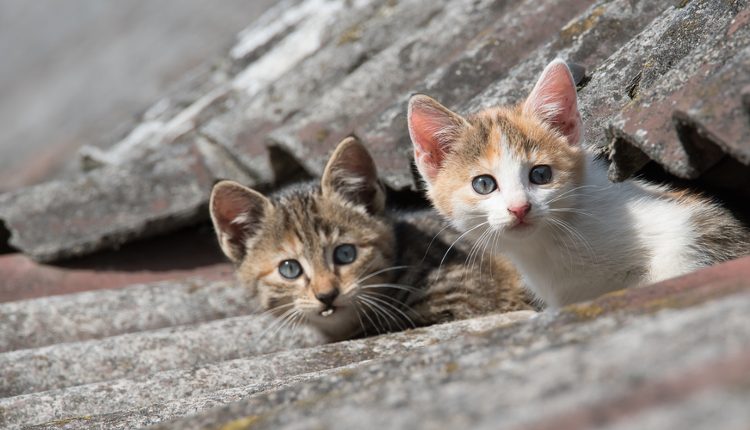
(327, 297)
(520, 211)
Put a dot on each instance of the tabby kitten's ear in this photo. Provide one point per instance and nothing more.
(433, 129)
(237, 213)
(554, 101)
(351, 174)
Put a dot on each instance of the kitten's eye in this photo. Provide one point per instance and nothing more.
(344, 254)
(290, 269)
(484, 184)
(541, 174)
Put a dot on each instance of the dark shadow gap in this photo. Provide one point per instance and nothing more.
(5, 247)
(699, 145)
(725, 181)
(185, 249)
(406, 200)
(286, 169)
(626, 158)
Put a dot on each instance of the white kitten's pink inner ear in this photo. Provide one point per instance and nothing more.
(433, 130)
(554, 101)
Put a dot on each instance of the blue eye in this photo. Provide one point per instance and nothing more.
(484, 184)
(344, 254)
(290, 269)
(541, 174)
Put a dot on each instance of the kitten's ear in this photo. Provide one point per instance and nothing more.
(554, 101)
(351, 174)
(237, 213)
(433, 129)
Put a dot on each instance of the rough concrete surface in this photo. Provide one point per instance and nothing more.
(247, 375)
(643, 354)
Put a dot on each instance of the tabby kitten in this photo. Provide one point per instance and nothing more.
(524, 174)
(329, 254)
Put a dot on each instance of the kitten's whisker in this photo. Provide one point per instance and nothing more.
(375, 296)
(573, 211)
(447, 225)
(429, 245)
(270, 312)
(440, 266)
(563, 242)
(379, 315)
(299, 320)
(380, 303)
(484, 250)
(277, 319)
(276, 326)
(572, 190)
(386, 300)
(473, 251)
(400, 325)
(408, 288)
(379, 310)
(387, 269)
(287, 321)
(355, 305)
(363, 270)
(496, 242)
(375, 326)
(286, 324)
(580, 237)
(575, 236)
(569, 196)
(485, 244)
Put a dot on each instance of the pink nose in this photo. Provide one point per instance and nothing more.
(520, 211)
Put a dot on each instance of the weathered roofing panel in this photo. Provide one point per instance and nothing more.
(687, 105)
(243, 128)
(503, 61)
(110, 206)
(370, 88)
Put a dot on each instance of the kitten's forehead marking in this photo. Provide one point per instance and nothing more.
(517, 142)
(511, 175)
(292, 243)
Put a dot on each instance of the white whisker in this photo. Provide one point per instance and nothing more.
(379, 310)
(456, 241)
(375, 296)
(387, 269)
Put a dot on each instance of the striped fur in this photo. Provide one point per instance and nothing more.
(395, 282)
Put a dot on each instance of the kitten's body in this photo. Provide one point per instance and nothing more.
(572, 234)
(394, 281)
(631, 233)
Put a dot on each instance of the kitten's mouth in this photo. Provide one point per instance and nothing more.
(327, 312)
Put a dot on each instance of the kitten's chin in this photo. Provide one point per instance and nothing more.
(520, 231)
(338, 323)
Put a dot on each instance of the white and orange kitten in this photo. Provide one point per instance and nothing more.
(524, 174)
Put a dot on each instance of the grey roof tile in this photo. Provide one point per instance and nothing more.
(97, 314)
(110, 206)
(170, 390)
(372, 86)
(687, 109)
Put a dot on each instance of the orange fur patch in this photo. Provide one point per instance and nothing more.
(478, 149)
